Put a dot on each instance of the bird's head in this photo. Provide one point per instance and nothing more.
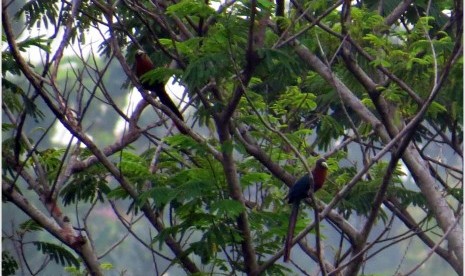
(143, 63)
(321, 164)
(140, 53)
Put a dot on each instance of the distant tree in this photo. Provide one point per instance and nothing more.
(268, 87)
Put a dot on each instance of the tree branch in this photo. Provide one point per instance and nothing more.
(412, 159)
(83, 249)
(397, 12)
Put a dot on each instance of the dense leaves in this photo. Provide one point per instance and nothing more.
(9, 264)
(266, 97)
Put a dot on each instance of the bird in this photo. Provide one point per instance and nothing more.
(300, 190)
(144, 64)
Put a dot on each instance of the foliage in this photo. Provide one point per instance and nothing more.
(57, 253)
(267, 94)
(9, 264)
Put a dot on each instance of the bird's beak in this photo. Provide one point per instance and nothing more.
(140, 52)
(324, 165)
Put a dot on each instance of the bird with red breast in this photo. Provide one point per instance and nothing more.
(299, 191)
(144, 64)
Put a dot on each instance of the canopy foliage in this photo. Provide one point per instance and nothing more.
(267, 88)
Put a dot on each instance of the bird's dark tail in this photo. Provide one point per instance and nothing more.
(159, 89)
(166, 100)
(290, 230)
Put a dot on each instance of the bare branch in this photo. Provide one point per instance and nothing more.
(83, 249)
(431, 252)
(397, 12)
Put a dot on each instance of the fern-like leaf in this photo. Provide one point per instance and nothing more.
(57, 253)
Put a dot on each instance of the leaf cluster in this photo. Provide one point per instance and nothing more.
(57, 253)
(9, 264)
(181, 179)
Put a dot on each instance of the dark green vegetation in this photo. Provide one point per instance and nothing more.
(375, 87)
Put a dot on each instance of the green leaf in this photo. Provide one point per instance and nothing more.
(265, 4)
(135, 168)
(9, 264)
(38, 12)
(329, 129)
(251, 178)
(375, 40)
(86, 186)
(160, 74)
(39, 42)
(30, 226)
(190, 8)
(164, 234)
(435, 109)
(118, 193)
(180, 141)
(190, 47)
(57, 253)
(7, 127)
(381, 62)
(12, 94)
(368, 102)
(227, 147)
(107, 266)
(162, 195)
(227, 207)
(295, 100)
(202, 69)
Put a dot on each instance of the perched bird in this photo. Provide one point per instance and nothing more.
(143, 65)
(300, 191)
